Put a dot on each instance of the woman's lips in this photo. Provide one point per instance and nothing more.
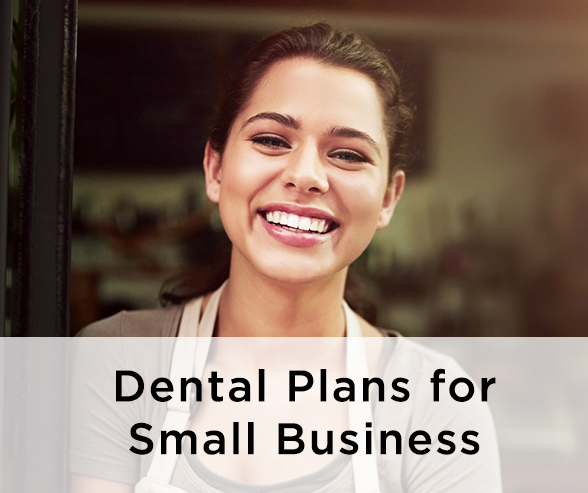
(296, 230)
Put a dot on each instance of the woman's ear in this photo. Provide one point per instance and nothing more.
(212, 173)
(391, 198)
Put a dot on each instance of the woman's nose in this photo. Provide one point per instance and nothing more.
(305, 172)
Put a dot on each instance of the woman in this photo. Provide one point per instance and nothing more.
(305, 164)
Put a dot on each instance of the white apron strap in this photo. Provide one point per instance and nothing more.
(205, 331)
(188, 358)
(365, 467)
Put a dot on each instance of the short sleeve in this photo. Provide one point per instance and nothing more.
(139, 345)
(99, 425)
(473, 465)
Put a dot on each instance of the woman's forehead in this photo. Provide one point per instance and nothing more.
(314, 93)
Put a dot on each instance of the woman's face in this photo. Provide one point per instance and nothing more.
(303, 182)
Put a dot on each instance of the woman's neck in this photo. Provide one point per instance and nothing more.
(255, 305)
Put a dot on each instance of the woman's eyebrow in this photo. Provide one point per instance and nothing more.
(354, 134)
(286, 120)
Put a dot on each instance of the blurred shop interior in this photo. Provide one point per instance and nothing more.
(491, 235)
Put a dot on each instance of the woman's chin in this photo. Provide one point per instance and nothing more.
(298, 274)
(294, 269)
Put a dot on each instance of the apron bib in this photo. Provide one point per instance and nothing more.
(189, 358)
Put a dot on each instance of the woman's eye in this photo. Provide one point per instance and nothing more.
(349, 156)
(270, 141)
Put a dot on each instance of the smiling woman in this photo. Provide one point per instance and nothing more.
(305, 163)
(309, 147)
(317, 71)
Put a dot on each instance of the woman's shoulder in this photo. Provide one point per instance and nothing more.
(158, 322)
(415, 357)
(368, 330)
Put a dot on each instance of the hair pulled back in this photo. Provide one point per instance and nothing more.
(329, 46)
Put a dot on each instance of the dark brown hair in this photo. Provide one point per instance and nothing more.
(332, 47)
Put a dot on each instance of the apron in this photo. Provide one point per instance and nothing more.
(189, 358)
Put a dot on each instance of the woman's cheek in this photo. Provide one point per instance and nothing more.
(364, 199)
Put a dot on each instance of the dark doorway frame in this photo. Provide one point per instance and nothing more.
(35, 223)
(38, 213)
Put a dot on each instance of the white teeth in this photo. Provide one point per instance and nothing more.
(304, 224)
(293, 221)
(297, 222)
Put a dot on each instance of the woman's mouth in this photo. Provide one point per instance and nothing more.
(296, 222)
(298, 230)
